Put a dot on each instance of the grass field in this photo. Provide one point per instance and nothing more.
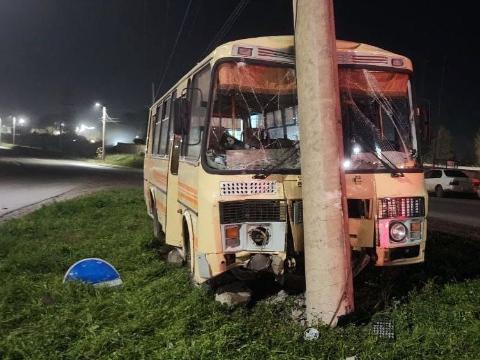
(158, 314)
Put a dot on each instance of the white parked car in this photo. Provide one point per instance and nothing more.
(441, 181)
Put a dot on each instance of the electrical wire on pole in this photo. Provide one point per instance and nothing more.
(220, 34)
(227, 25)
(163, 45)
(172, 52)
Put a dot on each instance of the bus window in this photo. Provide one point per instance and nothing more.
(170, 123)
(270, 120)
(275, 126)
(199, 96)
(164, 123)
(291, 123)
(151, 128)
(156, 132)
(291, 115)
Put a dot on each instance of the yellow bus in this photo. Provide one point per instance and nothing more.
(222, 176)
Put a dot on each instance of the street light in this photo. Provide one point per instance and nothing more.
(14, 123)
(21, 122)
(104, 121)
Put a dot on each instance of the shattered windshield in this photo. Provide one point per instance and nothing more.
(253, 123)
(376, 115)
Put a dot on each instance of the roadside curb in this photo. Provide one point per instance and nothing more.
(137, 170)
(67, 195)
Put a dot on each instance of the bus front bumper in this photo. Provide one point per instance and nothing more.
(405, 255)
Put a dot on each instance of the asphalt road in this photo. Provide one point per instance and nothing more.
(26, 182)
(455, 210)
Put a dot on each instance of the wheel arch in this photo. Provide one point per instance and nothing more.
(187, 227)
(151, 200)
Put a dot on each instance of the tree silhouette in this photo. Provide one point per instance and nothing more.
(477, 146)
(443, 145)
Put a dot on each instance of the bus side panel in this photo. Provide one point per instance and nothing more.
(156, 183)
(182, 196)
(147, 196)
(210, 240)
(159, 172)
(173, 229)
(188, 186)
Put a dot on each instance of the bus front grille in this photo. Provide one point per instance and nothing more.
(401, 207)
(235, 212)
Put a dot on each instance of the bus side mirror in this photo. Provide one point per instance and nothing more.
(181, 116)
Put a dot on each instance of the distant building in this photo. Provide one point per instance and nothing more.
(6, 129)
(39, 131)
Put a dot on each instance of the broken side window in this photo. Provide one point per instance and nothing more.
(198, 95)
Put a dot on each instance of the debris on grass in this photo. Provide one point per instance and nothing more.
(98, 272)
(175, 258)
(233, 294)
(383, 327)
(311, 334)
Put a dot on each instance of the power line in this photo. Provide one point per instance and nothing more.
(220, 34)
(193, 21)
(227, 25)
(167, 66)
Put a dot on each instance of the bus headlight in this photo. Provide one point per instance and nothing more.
(398, 231)
(259, 235)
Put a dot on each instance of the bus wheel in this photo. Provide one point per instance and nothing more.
(439, 191)
(188, 251)
(158, 233)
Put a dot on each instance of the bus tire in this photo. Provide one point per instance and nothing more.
(158, 234)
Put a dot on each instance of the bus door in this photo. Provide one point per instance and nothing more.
(159, 167)
(174, 218)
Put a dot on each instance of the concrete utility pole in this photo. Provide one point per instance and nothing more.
(0, 131)
(104, 121)
(14, 123)
(329, 289)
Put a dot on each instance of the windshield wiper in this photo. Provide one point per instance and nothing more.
(394, 170)
(267, 171)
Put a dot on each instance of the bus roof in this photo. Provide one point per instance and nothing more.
(282, 49)
(349, 52)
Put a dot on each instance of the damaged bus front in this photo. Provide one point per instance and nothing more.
(385, 188)
(238, 203)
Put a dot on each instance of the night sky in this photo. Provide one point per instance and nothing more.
(58, 54)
